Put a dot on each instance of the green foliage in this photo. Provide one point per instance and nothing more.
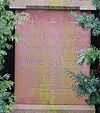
(90, 55)
(96, 3)
(84, 20)
(94, 99)
(87, 22)
(8, 21)
(7, 24)
(6, 97)
(86, 86)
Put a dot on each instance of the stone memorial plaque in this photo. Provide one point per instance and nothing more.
(51, 41)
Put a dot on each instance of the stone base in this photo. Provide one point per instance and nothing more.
(53, 109)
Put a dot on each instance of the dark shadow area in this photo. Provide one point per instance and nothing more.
(9, 62)
(9, 65)
(9, 59)
(95, 40)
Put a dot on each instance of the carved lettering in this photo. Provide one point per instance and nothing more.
(64, 37)
(51, 41)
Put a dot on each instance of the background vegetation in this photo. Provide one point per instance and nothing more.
(8, 21)
(89, 85)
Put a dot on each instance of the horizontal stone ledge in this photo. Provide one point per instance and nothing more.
(82, 4)
(54, 107)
